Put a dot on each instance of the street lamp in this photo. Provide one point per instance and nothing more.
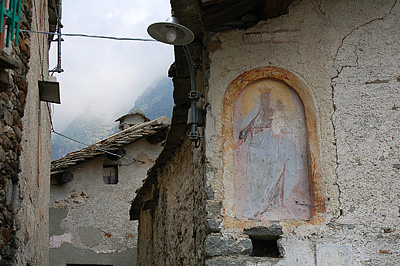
(171, 32)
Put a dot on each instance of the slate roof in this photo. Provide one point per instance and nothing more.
(136, 112)
(110, 144)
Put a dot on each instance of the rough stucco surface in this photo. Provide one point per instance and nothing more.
(348, 54)
(173, 232)
(366, 119)
(89, 220)
(31, 198)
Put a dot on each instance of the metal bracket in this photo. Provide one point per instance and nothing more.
(194, 135)
(58, 67)
(194, 95)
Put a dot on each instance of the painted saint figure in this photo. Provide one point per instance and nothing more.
(271, 157)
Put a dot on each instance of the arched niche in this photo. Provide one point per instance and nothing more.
(271, 148)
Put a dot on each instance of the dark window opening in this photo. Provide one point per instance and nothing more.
(265, 248)
(110, 174)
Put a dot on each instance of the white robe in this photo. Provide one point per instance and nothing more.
(274, 163)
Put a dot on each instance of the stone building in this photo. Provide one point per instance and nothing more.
(299, 160)
(25, 133)
(90, 195)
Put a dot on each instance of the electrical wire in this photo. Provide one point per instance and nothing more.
(80, 142)
(50, 115)
(134, 160)
(38, 38)
(37, 17)
(43, 39)
(91, 36)
(102, 150)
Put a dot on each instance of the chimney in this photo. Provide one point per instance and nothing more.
(131, 119)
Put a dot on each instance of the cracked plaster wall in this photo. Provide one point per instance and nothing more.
(89, 220)
(348, 53)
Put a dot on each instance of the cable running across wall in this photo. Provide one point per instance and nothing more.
(91, 36)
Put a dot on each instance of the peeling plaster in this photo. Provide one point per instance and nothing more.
(57, 241)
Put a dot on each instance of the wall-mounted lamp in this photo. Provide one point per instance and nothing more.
(171, 32)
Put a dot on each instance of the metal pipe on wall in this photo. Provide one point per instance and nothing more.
(58, 68)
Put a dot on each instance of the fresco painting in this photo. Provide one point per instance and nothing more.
(270, 153)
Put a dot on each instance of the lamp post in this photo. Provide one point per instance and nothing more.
(171, 32)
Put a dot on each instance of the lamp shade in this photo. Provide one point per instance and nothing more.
(49, 91)
(171, 32)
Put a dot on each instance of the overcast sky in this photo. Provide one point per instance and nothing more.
(104, 77)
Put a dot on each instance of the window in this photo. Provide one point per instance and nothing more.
(110, 174)
(264, 241)
(265, 248)
(10, 14)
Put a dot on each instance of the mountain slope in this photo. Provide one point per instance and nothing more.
(155, 102)
(85, 130)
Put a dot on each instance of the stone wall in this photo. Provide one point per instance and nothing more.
(346, 53)
(89, 220)
(24, 146)
(172, 222)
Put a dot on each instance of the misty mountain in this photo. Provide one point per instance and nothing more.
(85, 130)
(156, 101)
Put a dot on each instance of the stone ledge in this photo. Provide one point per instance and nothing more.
(8, 62)
(217, 245)
(266, 233)
(241, 260)
(213, 226)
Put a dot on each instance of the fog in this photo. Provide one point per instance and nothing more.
(103, 77)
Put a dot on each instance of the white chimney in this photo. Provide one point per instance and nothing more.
(131, 119)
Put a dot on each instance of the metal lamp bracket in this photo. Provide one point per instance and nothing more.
(194, 95)
(194, 135)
